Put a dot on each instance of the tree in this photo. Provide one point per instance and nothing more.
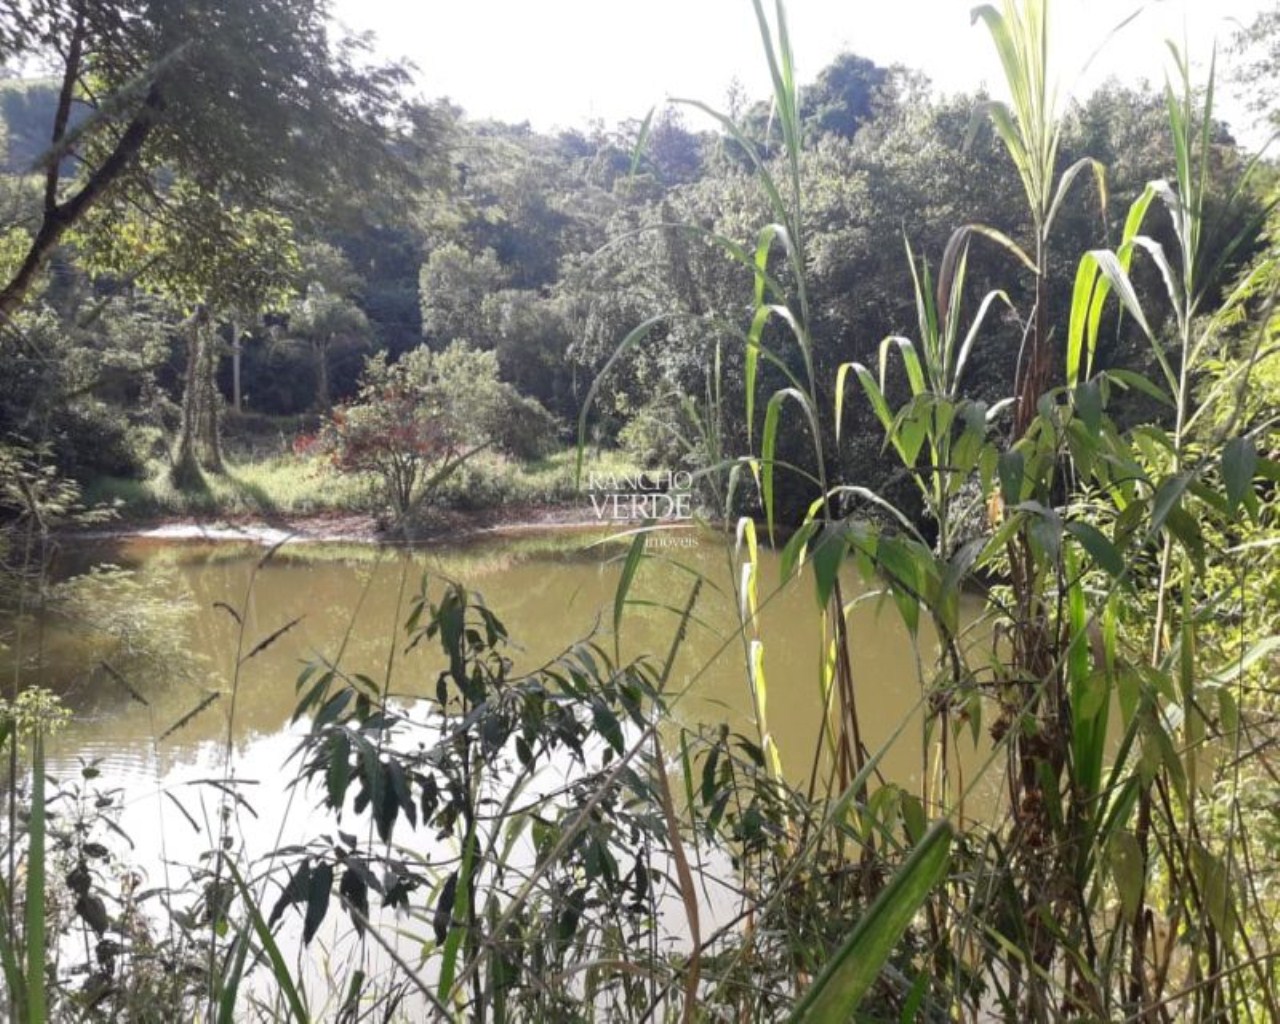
(415, 421)
(251, 98)
(1257, 45)
(842, 99)
(453, 285)
(325, 315)
(84, 386)
(531, 334)
(676, 152)
(209, 259)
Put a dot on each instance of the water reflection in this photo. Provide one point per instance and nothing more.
(142, 633)
(182, 621)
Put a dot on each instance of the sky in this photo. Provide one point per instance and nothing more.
(562, 63)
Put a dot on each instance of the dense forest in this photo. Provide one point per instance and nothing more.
(547, 251)
(1006, 363)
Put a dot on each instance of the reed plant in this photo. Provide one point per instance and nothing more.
(1101, 876)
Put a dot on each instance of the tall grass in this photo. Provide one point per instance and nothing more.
(1105, 861)
(290, 485)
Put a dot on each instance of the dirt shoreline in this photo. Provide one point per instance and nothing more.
(451, 526)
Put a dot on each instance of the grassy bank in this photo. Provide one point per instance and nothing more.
(291, 485)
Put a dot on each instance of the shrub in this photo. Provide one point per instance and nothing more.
(415, 421)
(93, 439)
(653, 435)
(526, 429)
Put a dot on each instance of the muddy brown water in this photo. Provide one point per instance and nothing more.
(165, 625)
(159, 612)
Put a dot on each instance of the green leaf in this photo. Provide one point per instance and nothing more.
(1130, 379)
(629, 567)
(280, 970)
(753, 363)
(1215, 887)
(999, 237)
(337, 773)
(456, 920)
(875, 396)
(1068, 177)
(841, 374)
(35, 895)
(1229, 712)
(1183, 525)
(849, 973)
(321, 884)
(767, 448)
(1010, 469)
(1235, 668)
(769, 443)
(1082, 300)
(642, 140)
(827, 556)
(1166, 499)
(910, 360)
(1095, 691)
(1239, 463)
(606, 724)
(1124, 856)
(793, 549)
(1088, 403)
(1103, 552)
(913, 817)
(709, 775)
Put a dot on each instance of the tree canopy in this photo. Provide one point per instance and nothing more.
(254, 101)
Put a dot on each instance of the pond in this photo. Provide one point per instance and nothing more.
(148, 634)
(166, 626)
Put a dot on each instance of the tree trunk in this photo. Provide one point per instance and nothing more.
(320, 351)
(186, 467)
(236, 349)
(211, 456)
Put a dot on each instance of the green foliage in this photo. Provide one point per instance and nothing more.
(279, 484)
(1120, 540)
(83, 388)
(417, 420)
(1097, 531)
(653, 436)
(1257, 45)
(202, 251)
(324, 316)
(836, 993)
(580, 892)
(27, 109)
(28, 719)
(453, 285)
(255, 104)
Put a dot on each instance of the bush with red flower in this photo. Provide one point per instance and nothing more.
(415, 421)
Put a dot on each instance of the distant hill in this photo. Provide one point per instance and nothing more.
(27, 106)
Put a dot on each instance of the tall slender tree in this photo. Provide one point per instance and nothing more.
(212, 261)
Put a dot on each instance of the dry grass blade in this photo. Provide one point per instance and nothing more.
(267, 641)
(227, 788)
(230, 611)
(688, 894)
(271, 551)
(190, 716)
(124, 683)
(195, 826)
